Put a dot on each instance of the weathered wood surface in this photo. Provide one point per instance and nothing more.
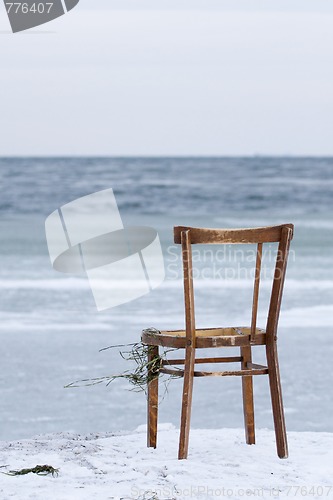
(185, 420)
(207, 236)
(228, 373)
(230, 359)
(152, 401)
(205, 338)
(256, 293)
(247, 390)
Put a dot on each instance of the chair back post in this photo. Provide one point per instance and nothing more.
(278, 282)
(188, 287)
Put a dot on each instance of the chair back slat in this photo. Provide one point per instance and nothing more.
(205, 236)
(188, 287)
(256, 292)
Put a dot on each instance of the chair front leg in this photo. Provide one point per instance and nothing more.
(186, 403)
(152, 399)
(248, 405)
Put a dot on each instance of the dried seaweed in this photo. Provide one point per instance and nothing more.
(144, 372)
(40, 470)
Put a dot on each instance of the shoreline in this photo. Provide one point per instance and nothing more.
(119, 465)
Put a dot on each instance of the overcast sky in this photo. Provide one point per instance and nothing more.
(167, 77)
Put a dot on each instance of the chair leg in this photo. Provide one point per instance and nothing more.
(186, 403)
(248, 406)
(152, 401)
(276, 396)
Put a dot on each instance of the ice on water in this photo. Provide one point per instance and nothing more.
(51, 333)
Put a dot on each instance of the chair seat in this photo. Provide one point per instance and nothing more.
(205, 337)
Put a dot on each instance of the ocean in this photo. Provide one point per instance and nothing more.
(51, 333)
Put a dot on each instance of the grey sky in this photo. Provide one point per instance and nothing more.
(196, 77)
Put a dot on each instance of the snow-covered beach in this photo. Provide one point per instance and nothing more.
(119, 466)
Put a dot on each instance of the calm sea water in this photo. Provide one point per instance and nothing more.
(51, 333)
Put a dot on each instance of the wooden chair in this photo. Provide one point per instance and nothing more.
(191, 338)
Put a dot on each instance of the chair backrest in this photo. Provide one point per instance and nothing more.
(283, 234)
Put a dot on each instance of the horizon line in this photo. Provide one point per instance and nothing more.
(180, 156)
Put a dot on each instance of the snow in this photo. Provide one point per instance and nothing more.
(120, 466)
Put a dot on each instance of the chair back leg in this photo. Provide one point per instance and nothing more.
(152, 400)
(248, 405)
(276, 397)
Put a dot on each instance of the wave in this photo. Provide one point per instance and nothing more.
(318, 316)
(172, 185)
(82, 283)
(50, 325)
(52, 284)
(239, 220)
